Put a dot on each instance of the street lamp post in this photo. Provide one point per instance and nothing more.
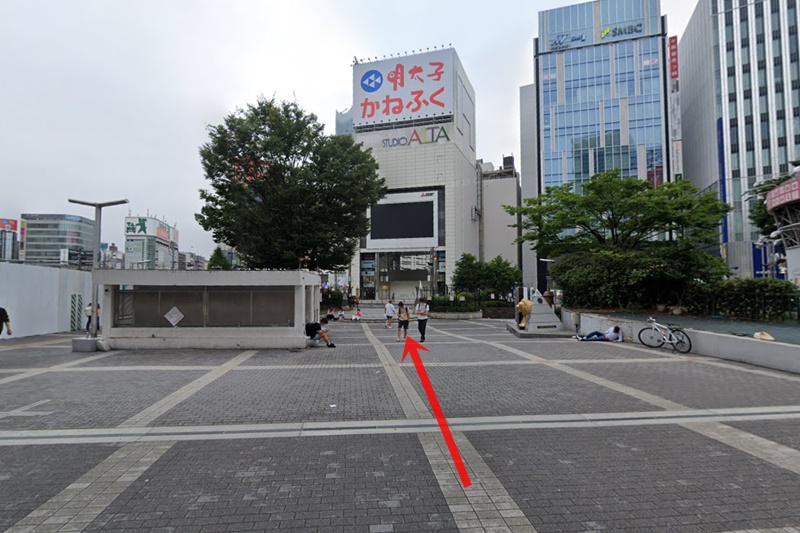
(98, 213)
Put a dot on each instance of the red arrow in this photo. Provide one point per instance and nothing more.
(412, 347)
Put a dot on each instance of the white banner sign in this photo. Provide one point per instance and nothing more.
(404, 88)
(174, 316)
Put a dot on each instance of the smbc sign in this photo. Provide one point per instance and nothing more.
(615, 32)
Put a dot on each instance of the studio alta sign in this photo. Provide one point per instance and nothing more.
(434, 134)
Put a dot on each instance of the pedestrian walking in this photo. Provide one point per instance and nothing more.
(403, 317)
(4, 320)
(88, 312)
(612, 334)
(421, 311)
(389, 311)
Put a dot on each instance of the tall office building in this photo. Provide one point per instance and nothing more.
(45, 236)
(417, 113)
(740, 91)
(600, 98)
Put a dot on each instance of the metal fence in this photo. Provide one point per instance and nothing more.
(749, 306)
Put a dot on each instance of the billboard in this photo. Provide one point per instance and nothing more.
(150, 227)
(405, 220)
(673, 58)
(8, 224)
(785, 193)
(404, 88)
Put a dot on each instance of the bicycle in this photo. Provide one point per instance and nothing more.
(656, 335)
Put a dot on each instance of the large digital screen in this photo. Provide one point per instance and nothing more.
(402, 221)
(405, 220)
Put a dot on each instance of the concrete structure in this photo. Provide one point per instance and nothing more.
(783, 202)
(44, 236)
(211, 309)
(740, 87)
(417, 114)
(150, 243)
(599, 101)
(499, 187)
(43, 300)
(775, 355)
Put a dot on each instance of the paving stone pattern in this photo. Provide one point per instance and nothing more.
(31, 475)
(458, 353)
(38, 357)
(573, 349)
(536, 390)
(87, 399)
(656, 478)
(167, 358)
(786, 432)
(702, 386)
(636, 475)
(342, 484)
(279, 395)
(343, 354)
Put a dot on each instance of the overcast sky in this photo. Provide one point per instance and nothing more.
(102, 100)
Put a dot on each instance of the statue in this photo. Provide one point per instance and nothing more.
(524, 307)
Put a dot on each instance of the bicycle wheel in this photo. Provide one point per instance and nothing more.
(650, 337)
(682, 342)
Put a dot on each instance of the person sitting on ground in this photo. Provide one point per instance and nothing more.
(330, 315)
(340, 314)
(315, 332)
(357, 316)
(612, 334)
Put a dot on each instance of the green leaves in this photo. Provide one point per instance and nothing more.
(622, 213)
(498, 275)
(282, 190)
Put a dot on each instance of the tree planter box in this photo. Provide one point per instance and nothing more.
(498, 312)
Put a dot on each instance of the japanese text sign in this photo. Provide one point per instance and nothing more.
(785, 193)
(403, 88)
(673, 58)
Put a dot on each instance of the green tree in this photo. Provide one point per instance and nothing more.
(498, 275)
(619, 213)
(501, 276)
(624, 242)
(759, 216)
(218, 261)
(469, 274)
(282, 190)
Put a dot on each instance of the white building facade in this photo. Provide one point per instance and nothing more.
(417, 115)
(150, 244)
(740, 90)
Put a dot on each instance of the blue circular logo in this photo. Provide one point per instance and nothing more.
(371, 81)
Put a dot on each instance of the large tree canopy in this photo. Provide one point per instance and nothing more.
(281, 190)
(624, 242)
(618, 213)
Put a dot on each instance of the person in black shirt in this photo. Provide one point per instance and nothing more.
(5, 320)
(315, 332)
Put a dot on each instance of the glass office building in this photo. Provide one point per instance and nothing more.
(740, 84)
(47, 235)
(601, 92)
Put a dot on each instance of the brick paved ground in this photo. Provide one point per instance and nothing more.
(556, 435)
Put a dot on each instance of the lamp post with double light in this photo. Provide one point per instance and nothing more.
(98, 213)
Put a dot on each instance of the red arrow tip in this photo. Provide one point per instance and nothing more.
(412, 347)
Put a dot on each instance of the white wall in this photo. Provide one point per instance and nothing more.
(37, 298)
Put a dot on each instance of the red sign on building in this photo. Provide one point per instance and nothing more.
(673, 58)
